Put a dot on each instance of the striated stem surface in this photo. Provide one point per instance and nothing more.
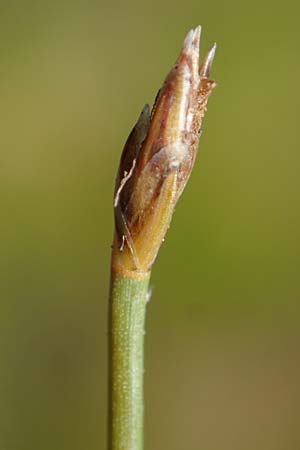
(126, 359)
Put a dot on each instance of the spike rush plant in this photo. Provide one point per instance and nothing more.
(155, 166)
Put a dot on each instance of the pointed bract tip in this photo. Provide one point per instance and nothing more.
(188, 39)
(192, 40)
(191, 49)
(196, 37)
(207, 63)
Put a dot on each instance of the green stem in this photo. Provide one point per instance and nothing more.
(127, 308)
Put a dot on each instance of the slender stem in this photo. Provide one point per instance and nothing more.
(127, 309)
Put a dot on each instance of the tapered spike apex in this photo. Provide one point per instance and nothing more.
(196, 37)
(207, 63)
(188, 39)
(190, 51)
(192, 41)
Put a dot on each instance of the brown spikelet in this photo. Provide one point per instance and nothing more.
(158, 158)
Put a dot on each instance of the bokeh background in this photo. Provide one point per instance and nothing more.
(222, 342)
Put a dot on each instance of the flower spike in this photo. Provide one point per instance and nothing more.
(158, 158)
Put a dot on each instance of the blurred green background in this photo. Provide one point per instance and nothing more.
(222, 342)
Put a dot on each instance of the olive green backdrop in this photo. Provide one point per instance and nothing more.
(222, 341)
